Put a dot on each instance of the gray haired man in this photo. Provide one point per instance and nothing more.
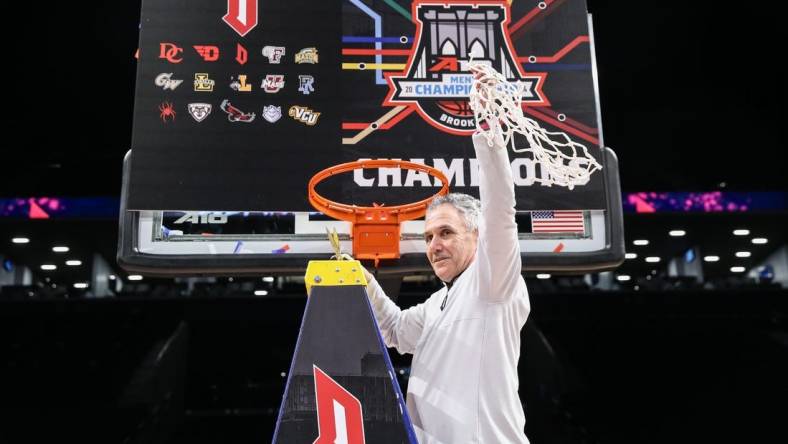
(465, 339)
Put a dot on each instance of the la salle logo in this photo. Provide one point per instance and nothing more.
(437, 82)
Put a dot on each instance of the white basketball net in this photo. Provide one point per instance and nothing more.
(498, 103)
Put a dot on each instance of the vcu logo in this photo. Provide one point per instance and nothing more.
(436, 82)
(304, 115)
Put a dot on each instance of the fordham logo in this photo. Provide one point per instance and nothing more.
(241, 15)
(436, 82)
(339, 416)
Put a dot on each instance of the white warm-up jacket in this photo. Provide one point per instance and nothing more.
(463, 381)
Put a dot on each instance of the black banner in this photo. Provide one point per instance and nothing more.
(240, 102)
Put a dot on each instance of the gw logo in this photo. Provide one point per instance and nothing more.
(202, 218)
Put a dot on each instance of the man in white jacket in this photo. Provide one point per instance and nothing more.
(465, 339)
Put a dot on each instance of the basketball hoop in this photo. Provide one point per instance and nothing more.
(498, 103)
(375, 229)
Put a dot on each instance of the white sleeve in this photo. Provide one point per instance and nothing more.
(400, 329)
(498, 251)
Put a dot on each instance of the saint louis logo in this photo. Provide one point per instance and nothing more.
(272, 113)
(241, 15)
(436, 81)
(199, 111)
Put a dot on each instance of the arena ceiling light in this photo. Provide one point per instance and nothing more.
(268, 279)
(73, 263)
(737, 269)
(759, 240)
(543, 276)
(640, 242)
(623, 277)
(20, 240)
(60, 249)
(260, 292)
(741, 232)
(49, 267)
(677, 233)
(134, 277)
(652, 259)
(711, 258)
(81, 285)
(743, 254)
(631, 255)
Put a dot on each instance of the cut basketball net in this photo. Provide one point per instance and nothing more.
(498, 108)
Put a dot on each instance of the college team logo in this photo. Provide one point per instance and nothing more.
(306, 55)
(306, 84)
(199, 111)
(436, 81)
(272, 113)
(240, 84)
(203, 83)
(241, 15)
(165, 81)
(303, 114)
(209, 53)
(272, 83)
(340, 418)
(234, 114)
(167, 111)
(170, 52)
(274, 53)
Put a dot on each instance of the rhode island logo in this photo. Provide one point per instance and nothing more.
(436, 81)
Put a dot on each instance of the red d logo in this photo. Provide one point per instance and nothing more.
(339, 417)
(241, 15)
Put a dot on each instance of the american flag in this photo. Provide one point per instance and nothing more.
(557, 222)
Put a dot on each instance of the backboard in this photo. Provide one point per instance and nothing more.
(239, 103)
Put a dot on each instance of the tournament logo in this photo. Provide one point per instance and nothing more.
(306, 55)
(165, 81)
(167, 111)
(203, 83)
(274, 53)
(272, 83)
(199, 111)
(272, 113)
(241, 15)
(234, 114)
(170, 52)
(306, 84)
(208, 53)
(240, 84)
(436, 82)
(304, 115)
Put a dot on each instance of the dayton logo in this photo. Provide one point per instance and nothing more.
(209, 53)
(436, 82)
(241, 15)
(340, 418)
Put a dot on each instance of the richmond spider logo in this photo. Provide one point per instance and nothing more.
(436, 81)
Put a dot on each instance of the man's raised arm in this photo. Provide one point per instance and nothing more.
(498, 251)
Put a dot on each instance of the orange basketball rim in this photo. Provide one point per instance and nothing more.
(376, 229)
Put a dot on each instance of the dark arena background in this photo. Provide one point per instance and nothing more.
(686, 341)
